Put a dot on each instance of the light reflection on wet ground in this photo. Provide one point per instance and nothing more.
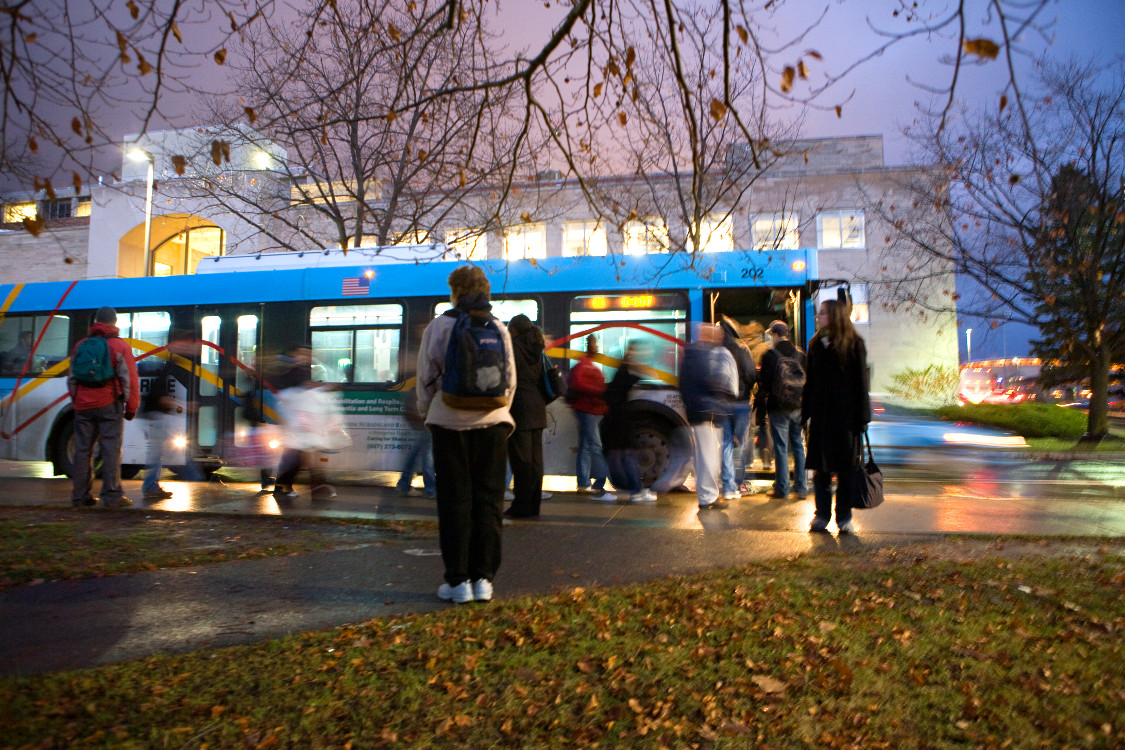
(1045, 497)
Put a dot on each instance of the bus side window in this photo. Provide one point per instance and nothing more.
(18, 337)
(356, 343)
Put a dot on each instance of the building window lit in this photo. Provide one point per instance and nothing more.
(840, 229)
(647, 237)
(774, 231)
(525, 241)
(467, 244)
(82, 206)
(181, 253)
(861, 310)
(17, 212)
(716, 235)
(583, 238)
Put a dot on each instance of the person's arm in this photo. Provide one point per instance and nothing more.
(429, 371)
(863, 402)
(126, 370)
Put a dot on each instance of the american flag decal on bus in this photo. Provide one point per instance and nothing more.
(356, 286)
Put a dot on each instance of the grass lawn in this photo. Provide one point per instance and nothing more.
(39, 544)
(966, 643)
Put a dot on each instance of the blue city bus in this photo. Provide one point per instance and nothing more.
(363, 313)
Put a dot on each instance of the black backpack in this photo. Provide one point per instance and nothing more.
(788, 383)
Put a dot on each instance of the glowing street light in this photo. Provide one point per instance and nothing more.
(968, 344)
(139, 154)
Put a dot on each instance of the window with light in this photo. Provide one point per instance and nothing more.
(774, 232)
(181, 253)
(840, 229)
(17, 212)
(525, 241)
(467, 244)
(648, 237)
(716, 235)
(583, 238)
(356, 343)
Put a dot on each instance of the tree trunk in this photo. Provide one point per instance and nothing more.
(1097, 424)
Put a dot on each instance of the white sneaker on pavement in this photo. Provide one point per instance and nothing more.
(646, 496)
(482, 590)
(461, 593)
(606, 497)
(846, 527)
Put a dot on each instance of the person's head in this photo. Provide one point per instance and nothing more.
(709, 333)
(779, 330)
(301, 353)
(833, 320)
(106, 315)
(466, 281)
(25, 338)
(591, 344)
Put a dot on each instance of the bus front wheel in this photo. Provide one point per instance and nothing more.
(663, 454)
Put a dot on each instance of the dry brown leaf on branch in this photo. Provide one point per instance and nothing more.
(986, 49)
(718, 110)
(787, 76)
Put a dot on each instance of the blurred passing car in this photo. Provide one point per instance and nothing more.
(909, 439)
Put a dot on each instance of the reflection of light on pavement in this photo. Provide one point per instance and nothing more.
(181, 498)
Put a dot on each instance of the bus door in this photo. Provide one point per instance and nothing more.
(231, 339)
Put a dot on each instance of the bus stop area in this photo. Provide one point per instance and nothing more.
(577, 542)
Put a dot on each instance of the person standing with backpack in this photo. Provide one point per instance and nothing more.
(466, 382)
(837, 406)
(105, 391)
(781, 385)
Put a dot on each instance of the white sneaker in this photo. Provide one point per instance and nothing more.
(606, 497)
(846, 527)
(645, 496)
(482, 590)
(461, 593)
(544, 495)
(818, 525)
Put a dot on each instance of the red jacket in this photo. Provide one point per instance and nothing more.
(124, 366)
(585, 386)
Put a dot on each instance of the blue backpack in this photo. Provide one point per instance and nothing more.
(90, 364)
(475, 376)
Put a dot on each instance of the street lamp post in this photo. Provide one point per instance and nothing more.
(139, 154)
(968, 344)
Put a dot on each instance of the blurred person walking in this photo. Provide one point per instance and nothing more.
(105, 392)
(708, 384)
(837, 407)
(617, 430)
(585, 392)
(781, 386)
(470, 436)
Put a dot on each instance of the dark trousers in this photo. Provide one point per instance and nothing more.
(470, 468)
(104, 425)
(822, 491)
(291, 462)
(525, 456)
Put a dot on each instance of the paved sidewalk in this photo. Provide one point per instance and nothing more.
(577, 542)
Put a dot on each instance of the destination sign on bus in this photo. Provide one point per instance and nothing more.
(628, 302)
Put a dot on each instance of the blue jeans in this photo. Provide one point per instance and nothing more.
(736, 425)
(625, 465)
(591, 462)
(785, 430)
(154, 456)
(423, 450)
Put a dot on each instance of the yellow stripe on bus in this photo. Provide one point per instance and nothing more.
(9, 300)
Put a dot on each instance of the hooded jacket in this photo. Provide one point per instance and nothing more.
(125, 385)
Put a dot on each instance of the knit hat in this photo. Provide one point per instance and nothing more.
(106, 315)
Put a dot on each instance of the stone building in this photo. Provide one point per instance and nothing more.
(820, 193)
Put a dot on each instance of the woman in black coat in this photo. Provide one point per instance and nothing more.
(529, 410)
(837, 406)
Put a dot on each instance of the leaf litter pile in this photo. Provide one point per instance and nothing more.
(900, 647)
